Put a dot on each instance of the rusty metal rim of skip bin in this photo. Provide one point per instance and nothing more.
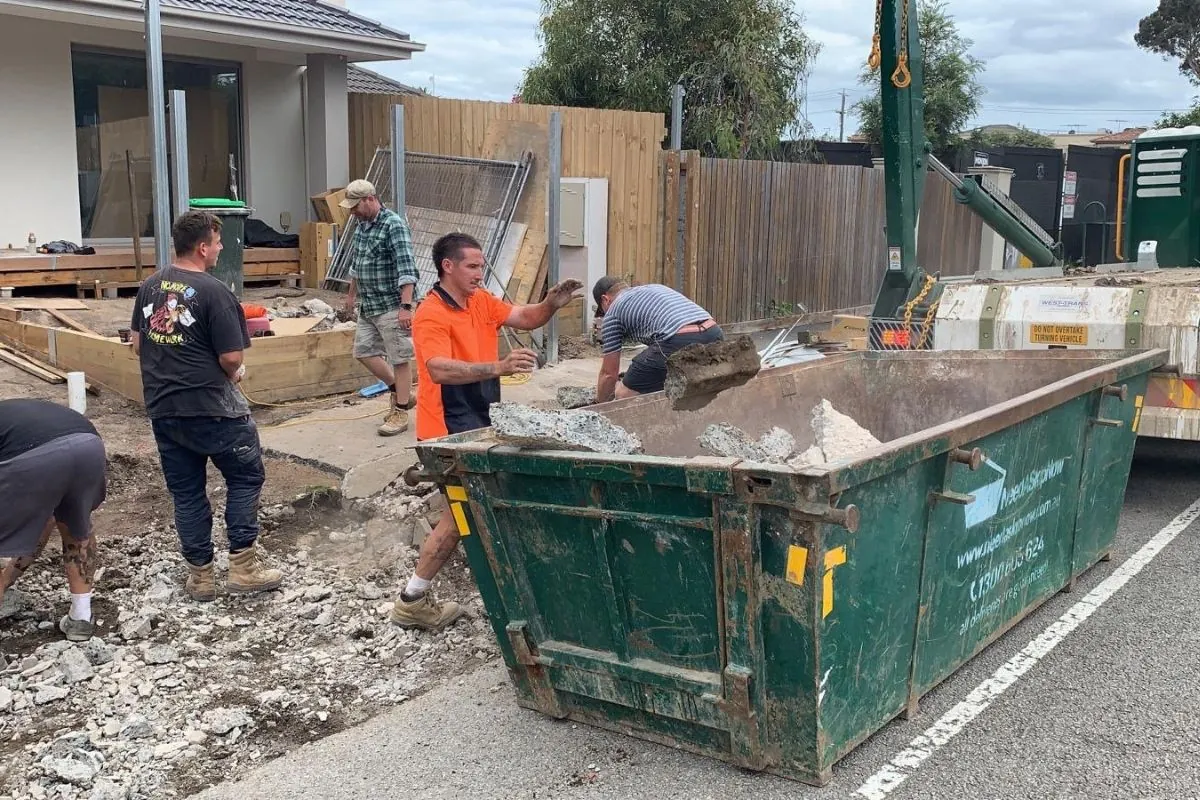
(870, 464)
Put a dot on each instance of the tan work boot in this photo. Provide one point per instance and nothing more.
(396, 422)
(424, 613)
(247, 573)
(200, 585)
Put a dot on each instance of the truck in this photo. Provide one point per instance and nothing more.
(1149, 298)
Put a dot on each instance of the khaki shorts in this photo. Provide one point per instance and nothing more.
(383, 336)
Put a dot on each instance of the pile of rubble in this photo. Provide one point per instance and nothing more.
(836, 437)
(172, 695)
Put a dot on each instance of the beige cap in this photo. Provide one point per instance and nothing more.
(357, 190)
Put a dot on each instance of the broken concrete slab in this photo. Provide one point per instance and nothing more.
(697, 372)
(554, 429)
(773, 447)
(372, 477)
(576, 396)
(838, 435)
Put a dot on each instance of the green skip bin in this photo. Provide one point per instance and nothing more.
(775, 617)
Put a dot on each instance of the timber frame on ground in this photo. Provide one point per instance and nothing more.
(278, 368)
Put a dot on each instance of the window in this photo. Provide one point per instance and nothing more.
(113, 138)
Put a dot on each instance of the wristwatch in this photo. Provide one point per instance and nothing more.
(406, 306)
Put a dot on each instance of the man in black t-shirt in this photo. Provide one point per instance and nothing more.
(189, 332)
(52, 474)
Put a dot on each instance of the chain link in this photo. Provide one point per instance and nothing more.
(901, 77)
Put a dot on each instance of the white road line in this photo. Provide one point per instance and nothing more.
(906, 762)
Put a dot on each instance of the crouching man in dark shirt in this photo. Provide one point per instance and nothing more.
(189, 332)
(52, 474)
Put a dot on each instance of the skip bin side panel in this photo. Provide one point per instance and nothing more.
(995, 558)
(866, 589)
(1106, 463)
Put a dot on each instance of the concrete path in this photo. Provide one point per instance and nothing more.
(1109, 712)
(343, 440)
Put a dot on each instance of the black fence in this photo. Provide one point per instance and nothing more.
(1036, 180)
(1089, 237)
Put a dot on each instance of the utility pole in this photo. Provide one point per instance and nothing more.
(842, 119)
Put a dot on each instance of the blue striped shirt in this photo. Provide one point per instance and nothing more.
(647, 314)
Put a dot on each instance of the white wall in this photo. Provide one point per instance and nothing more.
(39, 184)
(274, 142)
(38, 160)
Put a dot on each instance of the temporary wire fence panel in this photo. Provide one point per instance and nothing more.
(622, 146)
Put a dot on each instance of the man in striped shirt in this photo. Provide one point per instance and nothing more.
(655, 315)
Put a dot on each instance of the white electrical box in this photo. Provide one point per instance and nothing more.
(583, 234)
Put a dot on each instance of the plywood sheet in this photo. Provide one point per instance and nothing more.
(293, 326)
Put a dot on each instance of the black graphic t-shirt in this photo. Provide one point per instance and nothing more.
(186, 321)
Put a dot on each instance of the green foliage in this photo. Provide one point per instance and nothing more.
(1022, 137)
(952, 90)
(1180, 119)
(740, 62)
(1173, 31)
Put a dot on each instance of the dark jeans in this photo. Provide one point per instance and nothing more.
(185, 444)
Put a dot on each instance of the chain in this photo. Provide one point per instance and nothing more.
(927, 325)
(876, 56)
(911, 304)
(901, 77)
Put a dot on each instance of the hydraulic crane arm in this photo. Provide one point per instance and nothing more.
(896, 51)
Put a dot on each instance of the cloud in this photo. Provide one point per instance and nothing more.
(1049, 65)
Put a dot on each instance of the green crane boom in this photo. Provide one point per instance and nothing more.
(896, 50)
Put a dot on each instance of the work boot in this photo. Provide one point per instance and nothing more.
(247, 573)
(76, 630)
(396, 422)
(424, 613)
(200, 585)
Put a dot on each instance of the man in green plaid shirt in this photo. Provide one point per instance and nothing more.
(383, 275)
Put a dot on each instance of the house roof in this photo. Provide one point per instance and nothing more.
(297, 13)
(1124, 137)
(360, 80)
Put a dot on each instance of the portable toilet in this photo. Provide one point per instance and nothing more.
(1162, 205)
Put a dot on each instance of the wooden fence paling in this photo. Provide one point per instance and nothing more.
(767, 236)
(622, 146)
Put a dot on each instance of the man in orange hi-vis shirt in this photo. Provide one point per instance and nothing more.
(455, 334)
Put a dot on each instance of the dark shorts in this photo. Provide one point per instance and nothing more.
(648, 370)
(63, 479)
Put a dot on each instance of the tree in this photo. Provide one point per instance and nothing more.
(1173, 31)
(740, 62)
(952, 90)
(1180, 119)
(1022, 137)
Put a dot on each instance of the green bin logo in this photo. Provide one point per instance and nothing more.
(988, 497)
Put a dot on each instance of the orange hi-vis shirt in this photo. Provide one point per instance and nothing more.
(442, 328)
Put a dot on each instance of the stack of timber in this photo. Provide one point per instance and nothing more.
(114, 267)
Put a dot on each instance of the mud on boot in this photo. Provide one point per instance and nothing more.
(201, 586)
(247, 573)
(424, 612)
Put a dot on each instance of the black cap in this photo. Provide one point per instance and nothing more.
(602, 288)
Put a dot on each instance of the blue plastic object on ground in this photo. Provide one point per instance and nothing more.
(377, 388)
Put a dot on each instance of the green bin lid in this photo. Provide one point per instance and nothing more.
(215, 202)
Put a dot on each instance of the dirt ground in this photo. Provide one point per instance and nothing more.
(171, 695)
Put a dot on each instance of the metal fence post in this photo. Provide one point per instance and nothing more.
(161, 182)
(677, 117)
(554, 227)
(398, 194)
(179, 151)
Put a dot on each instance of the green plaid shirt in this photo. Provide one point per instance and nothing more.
(383, 262)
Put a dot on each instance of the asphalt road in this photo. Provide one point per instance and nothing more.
(1107, 712)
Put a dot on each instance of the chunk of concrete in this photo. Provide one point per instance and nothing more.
(728, 441)
(697, 372)
(561, 430)
(576, 396)
(838, 435)
(372, 477)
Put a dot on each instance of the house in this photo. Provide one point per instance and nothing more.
(1105, 138)
(266, 86)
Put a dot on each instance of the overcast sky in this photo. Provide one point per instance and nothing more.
(1051, 65)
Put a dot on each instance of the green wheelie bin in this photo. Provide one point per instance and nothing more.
(230, 268)
(775, 617)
